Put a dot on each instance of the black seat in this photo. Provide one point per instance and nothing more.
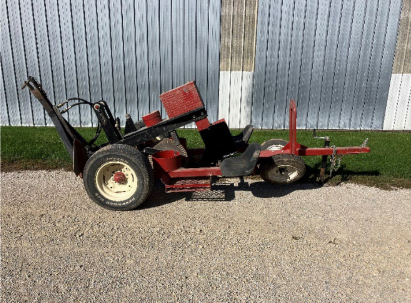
(219, 142)
(242, 165)
(242, 138)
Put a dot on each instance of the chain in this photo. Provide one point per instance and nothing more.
(335, 161)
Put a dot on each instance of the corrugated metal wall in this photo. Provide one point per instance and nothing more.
(125, 52)
(334, 57)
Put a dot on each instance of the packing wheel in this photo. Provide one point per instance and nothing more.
(283, 169)
(273, 144)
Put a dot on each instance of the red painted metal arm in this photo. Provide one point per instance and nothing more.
(351, 150)
(293, 127)
(195, 172)
(321, 151)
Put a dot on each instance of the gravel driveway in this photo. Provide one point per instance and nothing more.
(248, 242)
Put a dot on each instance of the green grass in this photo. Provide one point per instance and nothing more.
(388, 164)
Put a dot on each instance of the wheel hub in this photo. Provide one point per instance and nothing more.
(119, 177)
(283, 173)
(116, 181)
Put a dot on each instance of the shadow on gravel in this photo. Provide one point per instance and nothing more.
(259, 189)
(342, 173)
(224, 191)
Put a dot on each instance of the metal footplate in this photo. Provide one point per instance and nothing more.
(188, 184)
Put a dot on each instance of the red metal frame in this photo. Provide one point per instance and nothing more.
(195, 172)
(295, 148)
(189, 175)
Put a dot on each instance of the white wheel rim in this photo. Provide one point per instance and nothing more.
(111, 189)
(275, 147)
(283, 173)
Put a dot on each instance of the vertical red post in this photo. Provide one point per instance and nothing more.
(293, 127)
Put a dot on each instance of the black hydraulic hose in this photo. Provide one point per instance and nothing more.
(91, 142)
(98, 130)
(71, 106)
(75, 98)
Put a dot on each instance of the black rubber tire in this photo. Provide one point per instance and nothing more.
(278, 142)
(283, 169)
(125, 154)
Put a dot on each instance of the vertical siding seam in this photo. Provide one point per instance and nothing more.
(75, 58)
(148, 59)
(25, 60)
(219, 71)
(325, 53)
(112, 59)
(171, 44)
(346, 70)
(124, 55)
(184, 39)
(408, 112)
(278, 62)
(242, 63)
(159, 49)
(51, 57)
(137, 61)
(99, 53)
(62, 57)
(5, 91)
(88, 64)
(255, 58)
(231, 49)
(382, 58)
(358, 70)
(302, 50)
(335, 65)
(208, 48)
(289, 63)
(196, 41)
(14, 66)
(397, 101)
(37, 54)
(369, 64)
(312, 62)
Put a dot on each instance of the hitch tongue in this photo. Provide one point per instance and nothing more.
(323, 138)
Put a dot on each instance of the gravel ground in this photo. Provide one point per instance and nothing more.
(249, 242)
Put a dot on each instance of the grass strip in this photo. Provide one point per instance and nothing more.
(388, 165)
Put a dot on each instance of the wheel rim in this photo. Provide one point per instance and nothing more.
(112, 190)
(283, 173)
(275, 147)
